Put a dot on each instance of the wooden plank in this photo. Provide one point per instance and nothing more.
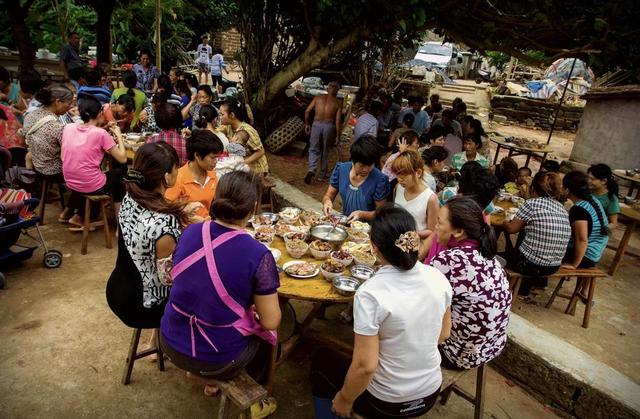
(242, 390)
(450, 377)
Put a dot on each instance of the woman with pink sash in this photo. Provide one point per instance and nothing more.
(223, 309)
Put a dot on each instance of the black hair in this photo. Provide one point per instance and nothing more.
(387, 227)
(3, 115)
(415, 99)
(435, 96)
(466, 214)
(366, 150)
(375, 107)
(168, 116)
(448, 113)
(438, 131)
(203, 142)
(525, 169)
(48, 95)
(578, 185)
(408, 119)
(478, 183)
(476, 125)
(130, 80)
(550, 166)
(159, 98)
(30, 81)
(5, 76)
(237, 108)
(126, 101)
(77, 73)
(475, 138)
(236, 196)
(218, 51)
(165, 82)
(93, 77)
(547, 185)
(461, 107)
(207, 114)
(603, 172)
(411, 136)
(191, 79)
(508, 169)
(183, 88)
(145, 52)
(434, 153)
(89, 108)
(73, 33)
(468, 119)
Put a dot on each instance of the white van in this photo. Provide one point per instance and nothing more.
(445, 56)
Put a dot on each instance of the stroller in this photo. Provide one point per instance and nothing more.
(17, 218)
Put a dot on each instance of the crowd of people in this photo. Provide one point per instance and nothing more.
(420, 175)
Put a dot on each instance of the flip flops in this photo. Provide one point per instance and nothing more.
(264, 408)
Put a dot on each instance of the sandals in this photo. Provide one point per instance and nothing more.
(211, 390)
(264, 408)
(80, 228)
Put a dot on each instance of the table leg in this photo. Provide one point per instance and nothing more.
(526, 163)
(544, 157)
(621, 247)
(495, 159)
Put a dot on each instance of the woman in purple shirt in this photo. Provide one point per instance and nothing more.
(223, 308)
(481, 297)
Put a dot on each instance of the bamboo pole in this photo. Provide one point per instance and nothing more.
(158, 39)
(555, 118)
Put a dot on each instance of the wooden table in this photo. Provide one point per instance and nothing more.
(635, 181)
(516, 150)
(497, 219)
(634, 217)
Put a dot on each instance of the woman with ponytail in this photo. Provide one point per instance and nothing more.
(544, 229)
(588, 223)
(129, 79)
(149, 228)
(216, 332)
(605, 189)
(481, 296)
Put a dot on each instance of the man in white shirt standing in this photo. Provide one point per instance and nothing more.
(204, 55)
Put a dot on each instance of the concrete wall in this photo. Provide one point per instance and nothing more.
(609, 133)
(536, 112)
(229, 41)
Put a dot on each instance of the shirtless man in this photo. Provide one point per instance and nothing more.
(324, 131)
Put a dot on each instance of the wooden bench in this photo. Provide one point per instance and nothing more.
(585, 278)
(238, 394)
(103, 201)
(449, 381)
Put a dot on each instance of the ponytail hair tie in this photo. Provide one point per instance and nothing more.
(135, 177)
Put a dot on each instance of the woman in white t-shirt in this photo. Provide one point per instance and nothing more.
(204, 52)
(412, 194)
(400, 316)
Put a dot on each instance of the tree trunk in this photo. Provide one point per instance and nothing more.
(104, 10)
(26, 49)
(311, 58)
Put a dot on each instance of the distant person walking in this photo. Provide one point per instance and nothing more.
(217, 65)
(204, 56)
(70, 55)
(324, 131)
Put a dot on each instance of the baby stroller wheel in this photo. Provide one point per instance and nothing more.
(2, 281)
(52, 259)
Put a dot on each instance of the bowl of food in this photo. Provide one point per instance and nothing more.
(290, 215)
(360, 226)
(362, 272)
(320, 249)
(358, 236)
(335, 236)
(331, 269)
(296, 248)
(282, 229)
(133, 137)
(345, 285)
(265, 230)
(264, 238)
(276, 254)
(342, 256)
(364, 258)
(294, 235)
(310, 218)
(300, 269)
(265, 219)
(334, 218)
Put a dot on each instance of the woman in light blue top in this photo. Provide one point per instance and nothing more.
(362, 187)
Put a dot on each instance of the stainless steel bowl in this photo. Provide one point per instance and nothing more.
(362, 272)
(271, 216)
(345, 285)
(337, 235)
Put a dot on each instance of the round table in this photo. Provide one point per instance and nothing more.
(516, 150)
(633, 216)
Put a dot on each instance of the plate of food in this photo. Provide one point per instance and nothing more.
(355, 247)
(301, 269)
(290, 215)
(360, 226)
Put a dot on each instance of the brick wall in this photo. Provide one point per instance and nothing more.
(536, 112)
(229, 41)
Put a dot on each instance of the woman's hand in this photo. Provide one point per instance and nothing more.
(340, 406)
(194, 98)
(115, 130)
(402, 145)
(327, 207)
(144, 116)
(186, 132)
(355, 216)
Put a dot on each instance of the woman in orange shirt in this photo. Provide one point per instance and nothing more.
(197, 179)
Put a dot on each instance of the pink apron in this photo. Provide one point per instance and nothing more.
(247, 324)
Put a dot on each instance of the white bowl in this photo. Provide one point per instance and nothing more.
(319, 254)
(343, 262)
(370, 263)
(296, 253)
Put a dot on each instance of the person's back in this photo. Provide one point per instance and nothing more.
(326, 108)
(93, 88)
(83, 148)
(411, 305)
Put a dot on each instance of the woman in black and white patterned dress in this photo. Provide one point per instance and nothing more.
(149, 228)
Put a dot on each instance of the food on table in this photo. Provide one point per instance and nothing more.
(510, 214)
(320, 245)
(354, 247)
(364, 258)
(511, 188)
(332, 267)
(297, 244)
(290, 215)
(263, 237)
(282, 229)
(342, 256)
(262, 220)
(295, 236)
(310, 218)
(334, 219)
(301, 269)
(359, 225)
(266, 230)
(358, 236)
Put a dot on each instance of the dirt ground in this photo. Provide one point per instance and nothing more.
(63, 352)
